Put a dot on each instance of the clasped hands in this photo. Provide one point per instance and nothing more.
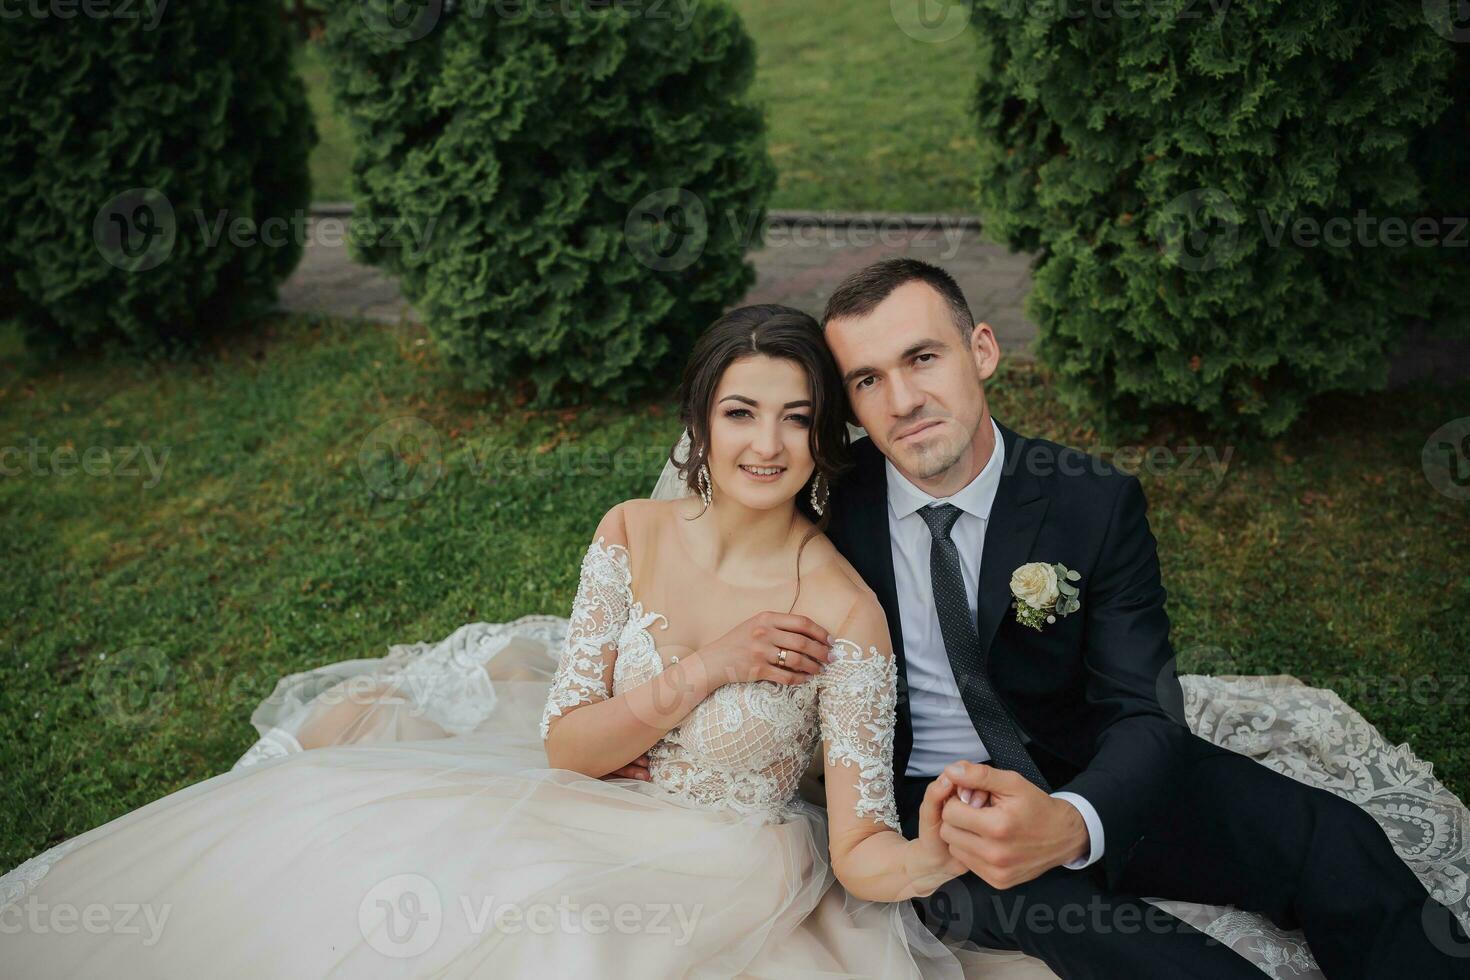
(997, 824)
(977, 818)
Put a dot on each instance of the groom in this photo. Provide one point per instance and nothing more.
(1089, 790)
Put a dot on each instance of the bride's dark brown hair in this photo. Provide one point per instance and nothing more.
(788, 334)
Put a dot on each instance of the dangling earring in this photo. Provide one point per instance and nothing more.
(819, 505)
(703, 482)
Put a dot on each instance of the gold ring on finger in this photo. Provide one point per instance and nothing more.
(781, 657)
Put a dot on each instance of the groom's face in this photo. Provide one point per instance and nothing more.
(914, 381)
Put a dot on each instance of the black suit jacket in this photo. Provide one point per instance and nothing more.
(1096, 692)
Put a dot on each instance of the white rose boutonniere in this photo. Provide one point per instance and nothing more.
(1043, 591)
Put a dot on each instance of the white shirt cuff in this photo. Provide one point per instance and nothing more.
(1094, 830)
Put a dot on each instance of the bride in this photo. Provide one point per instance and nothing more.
(443, 811)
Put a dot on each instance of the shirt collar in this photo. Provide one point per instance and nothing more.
(974, 498)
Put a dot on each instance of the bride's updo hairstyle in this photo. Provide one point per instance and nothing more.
(779, 332)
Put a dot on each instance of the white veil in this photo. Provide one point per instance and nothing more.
(670, 487)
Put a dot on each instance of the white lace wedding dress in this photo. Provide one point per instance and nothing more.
(428, 837)
(424, 835)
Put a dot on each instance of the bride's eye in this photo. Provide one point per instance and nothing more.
(734, 413)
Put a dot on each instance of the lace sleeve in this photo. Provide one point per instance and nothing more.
(858, 698)
(599, 612)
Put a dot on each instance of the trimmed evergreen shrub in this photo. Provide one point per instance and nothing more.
(1442, 155)
(153, 169)
(566, 189)
(1169, 160)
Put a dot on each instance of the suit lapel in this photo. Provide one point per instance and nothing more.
(1015, 518)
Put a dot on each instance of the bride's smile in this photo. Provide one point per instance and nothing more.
(764, 474)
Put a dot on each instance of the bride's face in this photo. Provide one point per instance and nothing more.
(760, 432)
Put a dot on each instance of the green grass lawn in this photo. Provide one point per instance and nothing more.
(861, 115)
(331, 160)
(147, 615)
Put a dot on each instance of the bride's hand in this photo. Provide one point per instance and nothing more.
(752, 650)
(932, 865)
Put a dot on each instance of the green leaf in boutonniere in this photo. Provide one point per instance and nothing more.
(1042, 592)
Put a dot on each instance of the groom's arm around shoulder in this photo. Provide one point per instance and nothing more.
(1130, 683)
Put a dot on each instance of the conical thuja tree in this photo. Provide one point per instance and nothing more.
(1223, 196)
(566, 189)
(153, 169)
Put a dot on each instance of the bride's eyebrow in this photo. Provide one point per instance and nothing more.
(804, 403)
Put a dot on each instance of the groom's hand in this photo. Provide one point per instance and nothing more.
(637, 769)
(1021, 834)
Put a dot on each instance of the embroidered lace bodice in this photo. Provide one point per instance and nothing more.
(746, 746)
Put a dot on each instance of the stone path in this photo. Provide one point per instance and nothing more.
(805, 255)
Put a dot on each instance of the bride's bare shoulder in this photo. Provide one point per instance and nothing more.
(642, 514)
(616, 526)
(637, 523)
(838, 592)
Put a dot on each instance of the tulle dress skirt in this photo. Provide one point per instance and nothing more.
(398, 818)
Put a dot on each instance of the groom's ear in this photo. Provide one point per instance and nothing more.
(985, 349)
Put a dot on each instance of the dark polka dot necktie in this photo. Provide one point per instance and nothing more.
(962, 642)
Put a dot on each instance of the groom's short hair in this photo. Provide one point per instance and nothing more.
(860, 293)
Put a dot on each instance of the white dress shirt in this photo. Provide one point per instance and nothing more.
(943, 731)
